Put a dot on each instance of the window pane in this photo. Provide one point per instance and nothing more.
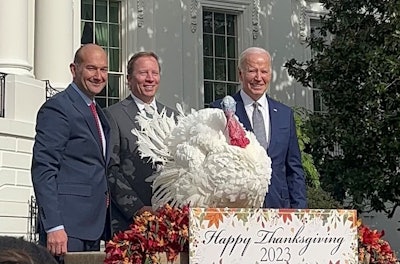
(102, 93)
(101, 10)
(207, 22)
(113, 85)
(101, 34)
(112, 101)
(317, 101)
(230, 25)
(87, 9)
(114, 35)
(87, 32)
(220, 90)
(231, 89)
(220, 46)
(101, 102)
(232, 70)
(208, 68)
(220, 69)
(208, 92)
(114, 12)
(219, 23)
(231, 47)
(208, 45)
(114, 60)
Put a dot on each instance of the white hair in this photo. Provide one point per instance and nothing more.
(251, 50)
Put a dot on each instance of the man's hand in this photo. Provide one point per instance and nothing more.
(57, 242)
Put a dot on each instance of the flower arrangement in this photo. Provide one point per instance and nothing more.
(149, 235)
(372, 249)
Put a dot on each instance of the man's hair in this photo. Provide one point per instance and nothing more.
(18, 251)
(138, 55)
(251, 50)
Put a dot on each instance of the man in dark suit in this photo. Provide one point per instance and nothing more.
(130, 192)
(287, 189)
(70, 158)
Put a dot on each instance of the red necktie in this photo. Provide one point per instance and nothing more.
(96, 118)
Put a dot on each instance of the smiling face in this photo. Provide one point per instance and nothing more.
(145, 78)
(255, 73)
(90, 69)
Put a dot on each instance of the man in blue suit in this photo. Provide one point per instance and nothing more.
(287, 189)
(70, 158)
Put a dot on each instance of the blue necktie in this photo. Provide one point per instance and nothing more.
(259, 126)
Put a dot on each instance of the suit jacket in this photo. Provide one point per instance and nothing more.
(69, 168)
(127, 170)
(287, 188)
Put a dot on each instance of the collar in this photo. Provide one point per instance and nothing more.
(248, 101)
(87, 100)
(140, 104)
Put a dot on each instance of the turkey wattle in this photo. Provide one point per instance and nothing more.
(205, 159)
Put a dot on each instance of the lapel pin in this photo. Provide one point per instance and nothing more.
(275, 110)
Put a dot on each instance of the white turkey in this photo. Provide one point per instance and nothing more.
(205, 159)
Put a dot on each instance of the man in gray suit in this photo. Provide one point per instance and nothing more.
(130, 192)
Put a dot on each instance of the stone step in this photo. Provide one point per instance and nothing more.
(98, 258)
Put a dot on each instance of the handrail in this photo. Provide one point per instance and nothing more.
(2, 93)
(33, 220)
(50, 91)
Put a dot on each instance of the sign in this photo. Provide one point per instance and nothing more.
(294, 236)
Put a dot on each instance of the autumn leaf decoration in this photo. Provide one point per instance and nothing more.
(214, 217)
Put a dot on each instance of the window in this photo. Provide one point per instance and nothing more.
(220, 55)
(101, 24)
(315, 24)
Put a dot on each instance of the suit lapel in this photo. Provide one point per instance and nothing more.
(241, 112)
(131, 109)
(273, 123)
(84, 109)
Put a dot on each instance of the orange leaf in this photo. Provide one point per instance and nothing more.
(214, 216)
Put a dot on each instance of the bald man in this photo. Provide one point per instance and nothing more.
(70, 158)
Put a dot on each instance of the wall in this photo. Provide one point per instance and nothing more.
(24, 95)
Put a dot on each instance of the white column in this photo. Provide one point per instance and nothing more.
(54, 41)
(14, 37)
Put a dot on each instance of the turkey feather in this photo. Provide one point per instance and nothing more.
(208, 159)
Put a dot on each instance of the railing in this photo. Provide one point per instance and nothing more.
(2, 92)
(50, 91)
(33, 220)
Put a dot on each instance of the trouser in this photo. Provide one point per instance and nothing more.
(73, 245)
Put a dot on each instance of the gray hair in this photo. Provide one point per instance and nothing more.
(251, 50)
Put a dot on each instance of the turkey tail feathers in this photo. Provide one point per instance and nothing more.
(151, 137)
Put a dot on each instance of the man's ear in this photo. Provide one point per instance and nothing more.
(72, 68)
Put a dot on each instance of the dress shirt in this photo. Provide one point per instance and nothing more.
(263, 106)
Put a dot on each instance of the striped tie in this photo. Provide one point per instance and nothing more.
(149, 109)
(96, 119)
(259, 126)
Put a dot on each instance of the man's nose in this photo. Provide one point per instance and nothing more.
(258, 75)
(149, 76)
(99, 74)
